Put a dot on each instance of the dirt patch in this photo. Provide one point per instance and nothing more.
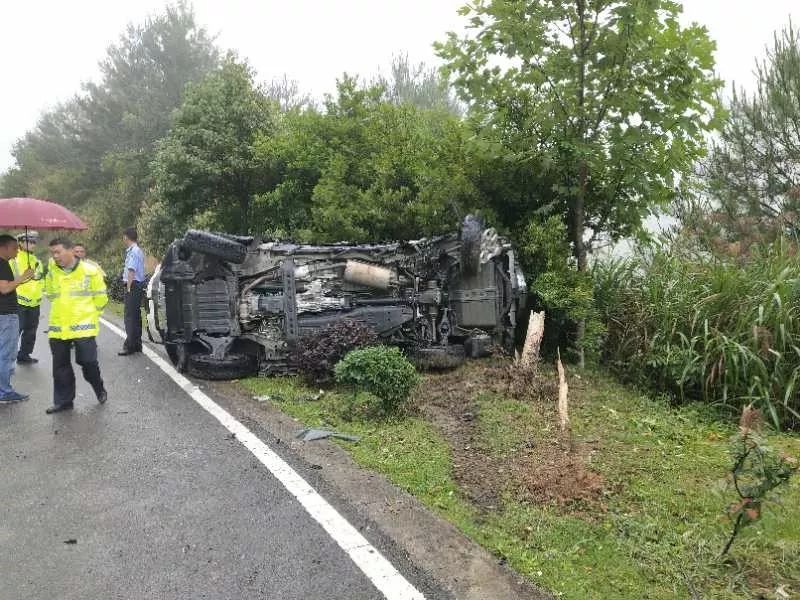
(532, 463)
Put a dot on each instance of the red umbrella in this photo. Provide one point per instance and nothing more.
(22, 213)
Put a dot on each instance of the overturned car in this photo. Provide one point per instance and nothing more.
(228, 306)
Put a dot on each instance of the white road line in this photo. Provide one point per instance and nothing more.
(374, 565)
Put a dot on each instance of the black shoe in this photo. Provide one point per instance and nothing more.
(102, 397)
(125, 352)
(27, 360)
(58, 408)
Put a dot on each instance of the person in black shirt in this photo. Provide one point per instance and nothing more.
(9, 319)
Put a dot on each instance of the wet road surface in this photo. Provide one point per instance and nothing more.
(148, 496)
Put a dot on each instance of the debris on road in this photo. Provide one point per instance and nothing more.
(311, 435)
(71, 541)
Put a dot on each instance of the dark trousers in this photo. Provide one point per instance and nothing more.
(133, 318)
(28, 322)
(64, 376)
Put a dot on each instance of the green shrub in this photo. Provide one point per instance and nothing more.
(758, 472)
(382, 371)
(726, 331)
(558, 288)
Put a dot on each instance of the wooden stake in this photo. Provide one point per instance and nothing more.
(563, 400)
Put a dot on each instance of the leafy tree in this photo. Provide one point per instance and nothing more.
(48, 160)
(606, 100)
(286, 92)
(422, 86)
(753, 173)
(604, 103)
(206, 170)
(143, 81)
(366, 169)
(92, 153)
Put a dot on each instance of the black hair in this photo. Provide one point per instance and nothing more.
(130, 233)
(6, 239)
(61, 241)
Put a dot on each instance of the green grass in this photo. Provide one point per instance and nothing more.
(719, 329)
(405, 449)
(115, 308)
(661, 525)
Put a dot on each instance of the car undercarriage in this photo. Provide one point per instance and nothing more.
(231, 306)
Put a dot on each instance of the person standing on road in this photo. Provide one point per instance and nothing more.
(80, 252)
(133, 279)
(77, 294)
(29, 295)
(9, 319)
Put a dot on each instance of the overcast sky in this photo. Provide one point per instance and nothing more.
(48, 47)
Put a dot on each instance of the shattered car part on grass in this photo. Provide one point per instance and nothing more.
(312, 435)
(228, 306)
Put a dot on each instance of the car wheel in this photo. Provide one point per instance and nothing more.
(215, 245)
(232, 366)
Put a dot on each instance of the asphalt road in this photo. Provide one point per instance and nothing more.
(148, 496)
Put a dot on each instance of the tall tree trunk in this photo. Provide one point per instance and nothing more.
(579, 207)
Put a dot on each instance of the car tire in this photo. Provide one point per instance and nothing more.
(233, 366)
(244, 240)
(440, 359)
(216, 245)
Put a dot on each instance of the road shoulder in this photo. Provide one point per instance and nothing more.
(456, 563)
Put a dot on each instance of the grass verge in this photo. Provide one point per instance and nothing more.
(653, 529)
(116, 308)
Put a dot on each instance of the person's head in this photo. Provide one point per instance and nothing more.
(63, 252)
(79, 250)
(28, 241)
(129, 236)
(8, 247)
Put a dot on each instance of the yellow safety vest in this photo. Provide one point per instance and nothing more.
(95, 264)
(77, 298)
(30, 293)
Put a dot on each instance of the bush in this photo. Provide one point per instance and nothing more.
(116, 288)
(382, 371)
(558, 288)
(758, 472)
(315, 356)
(704, 328)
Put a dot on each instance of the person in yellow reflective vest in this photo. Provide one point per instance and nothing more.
(77, 294)
(29, 295)
(80, 252)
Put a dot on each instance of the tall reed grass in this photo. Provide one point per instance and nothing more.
(722, 330)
